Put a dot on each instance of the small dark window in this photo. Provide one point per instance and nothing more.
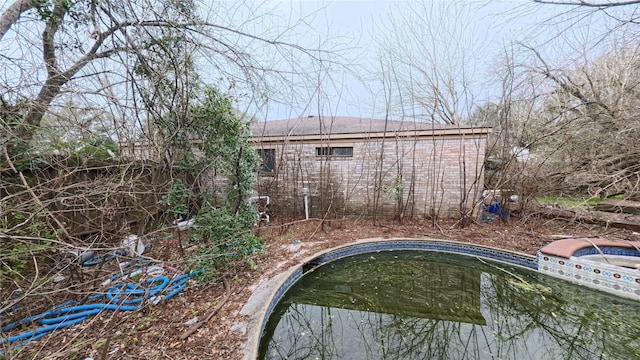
(334, 151)
(268, 164)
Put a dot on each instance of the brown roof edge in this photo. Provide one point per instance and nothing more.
(314, 125)
(450, 132)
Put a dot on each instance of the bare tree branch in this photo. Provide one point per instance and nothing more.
(12, 14)
(602, 5)
(75, 36)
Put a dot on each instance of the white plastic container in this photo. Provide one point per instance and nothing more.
(133, 245)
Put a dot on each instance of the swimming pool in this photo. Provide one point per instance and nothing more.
(441, 299)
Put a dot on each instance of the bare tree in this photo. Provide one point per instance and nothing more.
(429, 63)
(594, 123)
(432, 57)
(53, 47)
(592, 4)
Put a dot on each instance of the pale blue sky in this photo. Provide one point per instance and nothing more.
(357, 28)
(465, 40)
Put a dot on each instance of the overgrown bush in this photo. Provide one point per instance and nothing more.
(212, 142)
(226, 235)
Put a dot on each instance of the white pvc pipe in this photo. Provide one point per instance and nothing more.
(253, 199)
(306, 207)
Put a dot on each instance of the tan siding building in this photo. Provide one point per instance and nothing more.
(368, 167)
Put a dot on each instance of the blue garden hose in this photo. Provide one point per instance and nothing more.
(39, 332)
(120, 297)
(115, 293)
(105, 258)
(178, 284)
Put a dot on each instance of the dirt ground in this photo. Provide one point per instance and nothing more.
(155, 332)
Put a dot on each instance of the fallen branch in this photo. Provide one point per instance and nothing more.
(619, 206)
(211, 313)
(605, 219)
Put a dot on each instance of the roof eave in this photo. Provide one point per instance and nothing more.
(408, 134)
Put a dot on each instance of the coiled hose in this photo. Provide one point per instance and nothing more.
(119, 297)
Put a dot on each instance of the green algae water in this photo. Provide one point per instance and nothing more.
(428, 305)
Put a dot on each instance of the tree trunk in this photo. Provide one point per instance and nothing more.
(12, 14)
(39, 107)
